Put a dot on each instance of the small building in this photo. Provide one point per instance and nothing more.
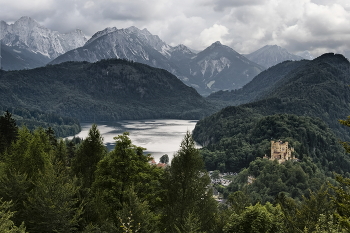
(281, 151)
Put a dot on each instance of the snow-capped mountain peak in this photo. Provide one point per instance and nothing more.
(29, 34)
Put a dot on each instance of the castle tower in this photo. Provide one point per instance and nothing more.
(281, 151)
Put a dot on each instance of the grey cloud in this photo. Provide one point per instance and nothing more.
(220, 5)
(298, 25)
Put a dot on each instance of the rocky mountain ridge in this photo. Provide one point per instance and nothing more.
(27, 36)
(215, 68)
(27, 44)
(271, 55)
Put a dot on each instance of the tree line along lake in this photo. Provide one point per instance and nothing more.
(158, 136)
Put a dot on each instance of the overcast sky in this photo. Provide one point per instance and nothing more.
(318, 26)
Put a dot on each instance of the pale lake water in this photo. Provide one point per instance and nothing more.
(159, 137)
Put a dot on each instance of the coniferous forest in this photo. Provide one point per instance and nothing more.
(54, 185)
(48, 184)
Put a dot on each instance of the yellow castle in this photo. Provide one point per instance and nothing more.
(281, 151)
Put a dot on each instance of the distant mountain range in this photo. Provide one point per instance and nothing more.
(271, 55)
(215, 68)
(26, 45)
(111, 89)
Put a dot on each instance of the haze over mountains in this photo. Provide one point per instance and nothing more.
(26, 45)
(271, 55)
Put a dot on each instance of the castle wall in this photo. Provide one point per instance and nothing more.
(280, 151)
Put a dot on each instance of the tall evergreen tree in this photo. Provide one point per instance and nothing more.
(88, 154)
(8, 131)
(188, 195)
(126, 181)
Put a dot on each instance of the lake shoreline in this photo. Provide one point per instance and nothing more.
(158, 136)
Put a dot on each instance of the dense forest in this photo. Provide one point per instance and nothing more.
(296, 102)
(317, 88)
(106, 90)
(32, 119)
(51, 185)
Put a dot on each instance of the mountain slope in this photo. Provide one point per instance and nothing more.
(17, 58)
(318, 89)
(259, 86)
(131, 44)
(271, 55)
(217, 67)
(107, 90)
(26, 34)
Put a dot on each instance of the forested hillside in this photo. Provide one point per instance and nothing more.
(261, 84)
(301, 106)
(107, 90)
(50, 185)
(32, 119)
(317, 88)
(236, 136)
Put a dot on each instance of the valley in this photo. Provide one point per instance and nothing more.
(274, 119)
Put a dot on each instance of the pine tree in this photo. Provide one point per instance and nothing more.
(188, 193)
(8, 131)
(6, 224)
(88, 154)
(125, 181)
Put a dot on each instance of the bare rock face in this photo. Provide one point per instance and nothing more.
(28, 36)
(215, 68)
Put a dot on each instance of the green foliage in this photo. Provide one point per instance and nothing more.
(30, 154)
(236, 136)
(187, 190)
(88, 154)
(43, 195)
(271, 178)
(215, 174)
(257, 219)
(305, 216)
(164, 159)
(14, 187)
(136, 216)
(106, 90)
(32, 119)
(238, 201)
(53, 204)
(6, 224)
(328, 225)
(341, 200)
(317, 88)
(124, 168)
(8, 131)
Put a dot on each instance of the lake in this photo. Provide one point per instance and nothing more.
(159, 137)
